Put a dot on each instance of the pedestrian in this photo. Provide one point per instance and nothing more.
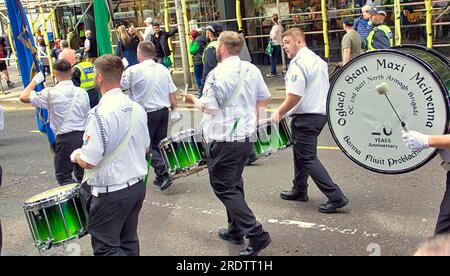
(351, 42)
(307, 87)
(4, 67)
(127, 47)
(68, 107)
(196, 48)
(150, 84)
(234, 90)
(113, 154)
(362, 25)
(276, 40)
(90, 47)
(82, 75)
(210, 61)
(418, 141)
(381, 36)
(160, 39)
(73, 39)
(148, 29)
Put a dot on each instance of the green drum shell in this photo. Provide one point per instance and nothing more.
(276, 137)
(183, 152)
(56, 220)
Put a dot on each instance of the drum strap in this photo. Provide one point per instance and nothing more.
(107, 159)
(232, 99)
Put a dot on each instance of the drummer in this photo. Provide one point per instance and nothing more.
(115, 144)
(150, 84)
(68, 107)
(307, 86)
(418, 141)
(233, 91)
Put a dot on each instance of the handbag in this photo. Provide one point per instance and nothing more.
(269, 49)
(167, 62)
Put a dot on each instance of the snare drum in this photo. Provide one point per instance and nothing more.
(184, 153)
(271, 138)
(56, 216)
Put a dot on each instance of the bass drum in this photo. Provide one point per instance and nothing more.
(363, 123)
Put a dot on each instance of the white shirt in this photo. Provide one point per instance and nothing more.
(276, 34)
(2, 119)
(87, 44)
(114, 110)
(307, 77)
(148, 33)
(58, 100)
(149, 77)
(219, 86)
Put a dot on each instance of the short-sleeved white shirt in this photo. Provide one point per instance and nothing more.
(114, 111)
(307, 77)
(237, 121)
(58, 100)
(149, 77)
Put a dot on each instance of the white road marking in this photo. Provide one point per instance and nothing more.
(300, 224)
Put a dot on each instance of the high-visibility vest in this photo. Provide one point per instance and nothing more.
(87, 75)
(212, 44)
(386, 30)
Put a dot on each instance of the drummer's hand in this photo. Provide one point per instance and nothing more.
(188, 98)
(275, 118)
(74, 155)
(416, 140)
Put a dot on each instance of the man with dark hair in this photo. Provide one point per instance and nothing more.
(351, 42)
(68, 107)
(115, 144)
(160, 39)
(150, 84)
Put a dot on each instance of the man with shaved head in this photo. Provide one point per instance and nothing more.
(307, 87)
(83, 75)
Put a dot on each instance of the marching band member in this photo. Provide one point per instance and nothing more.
(68, 107)
(307, 86)
(113, 153)
(150, 84)
(418, 141)
(232, 93)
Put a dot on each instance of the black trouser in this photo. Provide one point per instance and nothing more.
(226, 162)
(113, 221)
(443, 223)
(158, 122)
(306, 129)
(64, 146)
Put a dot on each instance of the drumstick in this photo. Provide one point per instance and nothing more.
(383, 89)
(185, 92)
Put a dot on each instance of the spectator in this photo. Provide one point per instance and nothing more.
(56, 49)
(90, 47)
(4, 68)
(277, 40)
(161, 41)
(362, 25)
(127, 47)
(351, 43)
(135, 34)
(148, 29)
(439, 246)
(196, 48)
(381, 36)
(210, 61)
(73, 39)
(64, 44)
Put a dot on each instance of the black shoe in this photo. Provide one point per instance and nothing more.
(290, 195)
(251, 160)
(330, 207)
(224, 235)
(255, 247)
(166, 183)
(10, 84)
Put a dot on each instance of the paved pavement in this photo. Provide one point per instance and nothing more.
(388, 215)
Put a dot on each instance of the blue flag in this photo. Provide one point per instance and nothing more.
(28, 63)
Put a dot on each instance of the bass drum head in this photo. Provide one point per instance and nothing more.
(363, 123)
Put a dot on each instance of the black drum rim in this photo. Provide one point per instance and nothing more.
(420, 62)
